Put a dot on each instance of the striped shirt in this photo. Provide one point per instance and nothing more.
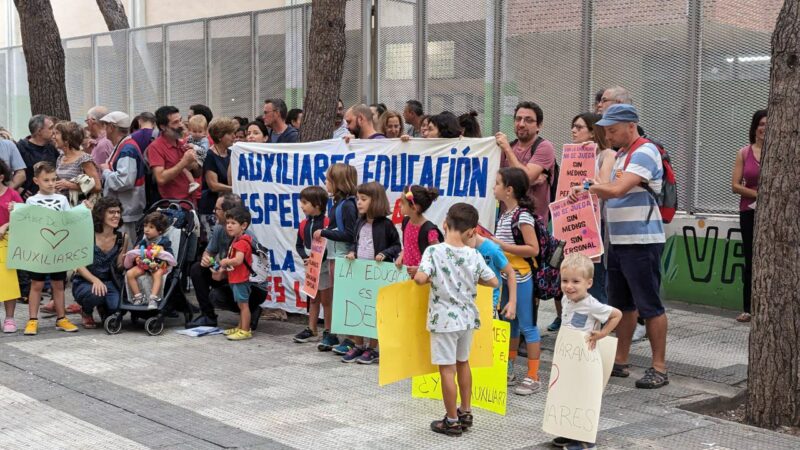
(626, 216)
(503, 233)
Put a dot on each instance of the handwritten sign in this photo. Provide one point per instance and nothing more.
(576, 224)
(9, 285)
(572, 409)
(489, 384)
(311, 284)
(577, 164)
(405, 340)
(46, 241)
(355, 292)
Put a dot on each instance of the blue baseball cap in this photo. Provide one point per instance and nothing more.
(618, 113)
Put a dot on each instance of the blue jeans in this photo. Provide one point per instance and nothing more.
(525, 321)
(598, 289)
(82, 292)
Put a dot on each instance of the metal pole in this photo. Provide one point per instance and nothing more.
(587, 55)
(128, 78)
(497, 64)
(207, 42)
(366, 51)
(165, 66)
(95, 94)
(420, 50)
(254, 61)
(695, 19)
(374, 51)
(306, 33)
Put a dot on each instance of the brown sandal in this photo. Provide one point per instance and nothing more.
(744, 317)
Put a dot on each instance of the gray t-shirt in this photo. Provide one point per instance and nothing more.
(10, 154)
(366, 248)
(219, 242)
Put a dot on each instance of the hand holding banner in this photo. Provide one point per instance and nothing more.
(46, 241)
(314, 266)
(577, 164)
(576, 224)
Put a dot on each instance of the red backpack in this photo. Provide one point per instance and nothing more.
(667, 199)
(304, 223)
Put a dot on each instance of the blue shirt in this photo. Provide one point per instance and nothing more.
(496, 260)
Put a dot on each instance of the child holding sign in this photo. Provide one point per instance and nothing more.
(418, 232)
(376, 238)
(340, 182)
(583, 312)
(7, 198)
(44, 175)
(454, 271)
(314, 202)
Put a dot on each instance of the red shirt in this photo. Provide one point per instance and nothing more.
(240, 273)
(10, 196)
(161, 153)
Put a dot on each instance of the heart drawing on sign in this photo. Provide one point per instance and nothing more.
(54, 238)
(554, 374)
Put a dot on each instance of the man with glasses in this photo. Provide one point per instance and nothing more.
(275, 113)
(531, 153)
(100, 147)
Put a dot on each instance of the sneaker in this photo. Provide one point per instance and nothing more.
(9, 326)
(328, 341)
(562, 441)
(528, 386)
(137, 299)
(555, 325)
(240, 335)
(344, 347)
(305, 336)
(639, 333)
(369, 356)
(578, 445)
(465, 418)
(444, 426)
(153, 302)
(202, 321)
(512, 379)
(64, 324)
(231, 331)
(652, 379)
(353, 355)
(32, 328)
(193, 187)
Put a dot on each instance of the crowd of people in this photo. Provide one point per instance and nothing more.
(120, 165)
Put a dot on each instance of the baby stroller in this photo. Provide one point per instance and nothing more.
(183, 233)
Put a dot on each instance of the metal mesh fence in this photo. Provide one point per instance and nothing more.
(696, 70)
(231, 66)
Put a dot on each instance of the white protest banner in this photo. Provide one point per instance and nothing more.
(269, 178)
(577, 379)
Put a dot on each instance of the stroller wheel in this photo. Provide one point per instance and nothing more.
(113, 324)
(154, 326)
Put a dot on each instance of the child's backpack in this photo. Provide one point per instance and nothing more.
(546, 267)
(667, 199)
(259, 268)
(424, 231)
(337, 210)
(304, 223)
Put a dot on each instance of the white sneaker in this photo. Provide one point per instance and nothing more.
(639, 333)
(528, 386)
(193, 187)
(152, 303)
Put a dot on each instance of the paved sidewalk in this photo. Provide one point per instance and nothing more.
(87, 389)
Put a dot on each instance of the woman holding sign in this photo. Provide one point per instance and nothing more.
(745, 183)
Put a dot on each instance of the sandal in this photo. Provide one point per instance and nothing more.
(88, 322)
(621, 370)
(652, 379)
(73, 308)
(744, 317)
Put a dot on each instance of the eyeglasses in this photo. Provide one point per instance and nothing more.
(218, 209)
(578, 127)
(606, 100)
(114, 212)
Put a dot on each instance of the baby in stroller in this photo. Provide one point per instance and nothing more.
(152, 255)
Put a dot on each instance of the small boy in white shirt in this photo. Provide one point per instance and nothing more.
(582, 312)
(454, 271)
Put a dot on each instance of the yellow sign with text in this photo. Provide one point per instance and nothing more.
(489, 384)
(9, 285)
(405, 340)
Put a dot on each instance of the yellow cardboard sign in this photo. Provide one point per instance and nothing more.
(405, 340)
(9, 285)
(489, 384)
(577, 379)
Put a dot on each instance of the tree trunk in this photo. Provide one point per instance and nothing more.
(114, 14)
(326, 50)
(774, 369)
(44, 58)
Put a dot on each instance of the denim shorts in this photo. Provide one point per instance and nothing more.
(634, 278)
(241, 292)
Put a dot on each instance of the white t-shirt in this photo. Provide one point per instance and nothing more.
(56, 202)
(584, 315)
(454, 274)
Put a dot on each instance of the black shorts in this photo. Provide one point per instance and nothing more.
(634, 278)
(57, 276)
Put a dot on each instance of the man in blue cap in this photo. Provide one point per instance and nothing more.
(636, 234)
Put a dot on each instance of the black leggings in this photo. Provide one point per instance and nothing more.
(746, 222)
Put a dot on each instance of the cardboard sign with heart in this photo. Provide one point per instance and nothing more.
(54, 238)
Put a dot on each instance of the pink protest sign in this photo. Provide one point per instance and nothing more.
(577, 164)
(576, 224)
(314, 266)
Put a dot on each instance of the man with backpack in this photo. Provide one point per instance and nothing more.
(636, 235)
(531, 153)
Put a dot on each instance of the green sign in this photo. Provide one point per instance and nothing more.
(46, 241)
(355, 292)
